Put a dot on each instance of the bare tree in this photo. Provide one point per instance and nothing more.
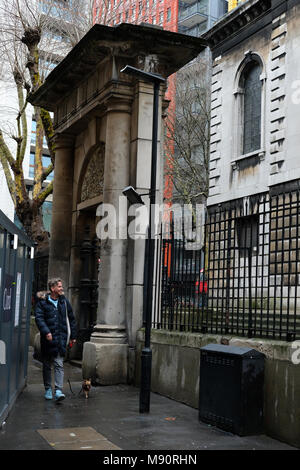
(187, 130)
(35, 36)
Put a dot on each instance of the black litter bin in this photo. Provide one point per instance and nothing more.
(231, 388)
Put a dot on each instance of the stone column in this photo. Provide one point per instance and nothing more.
(112, 281)
(105, 357)
(61, 226)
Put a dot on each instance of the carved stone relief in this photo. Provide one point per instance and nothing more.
(92, 185)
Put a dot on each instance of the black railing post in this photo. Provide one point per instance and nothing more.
(227, 315)
(250, 332)
(85, 288)
(95, 266)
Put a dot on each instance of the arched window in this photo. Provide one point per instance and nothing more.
(251, 85)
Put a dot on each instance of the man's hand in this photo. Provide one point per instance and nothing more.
(49, 337)
(72, 342)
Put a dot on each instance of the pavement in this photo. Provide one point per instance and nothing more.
(109, 420)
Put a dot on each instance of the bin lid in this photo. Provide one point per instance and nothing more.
(233, 350)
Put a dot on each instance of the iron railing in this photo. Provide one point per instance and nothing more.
(247, 284)
(179, 281)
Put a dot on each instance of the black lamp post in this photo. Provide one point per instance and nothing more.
(146, 358)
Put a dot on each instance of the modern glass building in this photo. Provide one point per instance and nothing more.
(194, 18)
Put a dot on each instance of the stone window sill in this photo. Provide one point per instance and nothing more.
(257, 153)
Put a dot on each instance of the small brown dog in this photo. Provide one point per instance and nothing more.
(86, 387)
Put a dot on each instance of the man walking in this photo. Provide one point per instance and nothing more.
(55, 320)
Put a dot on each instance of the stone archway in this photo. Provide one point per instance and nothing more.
(86, 245)
(89, 191)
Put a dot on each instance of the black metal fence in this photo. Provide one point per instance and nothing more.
(247, 284)
(180, 281)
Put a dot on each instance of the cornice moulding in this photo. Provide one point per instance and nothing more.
(236, 20)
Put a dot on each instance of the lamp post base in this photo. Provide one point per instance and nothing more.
(146, 364)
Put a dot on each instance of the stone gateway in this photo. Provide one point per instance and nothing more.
(103, 136)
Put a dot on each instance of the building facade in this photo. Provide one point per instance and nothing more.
(253, 206)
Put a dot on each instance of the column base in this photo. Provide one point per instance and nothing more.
(105, 356)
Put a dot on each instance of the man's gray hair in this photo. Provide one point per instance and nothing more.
(53, 282)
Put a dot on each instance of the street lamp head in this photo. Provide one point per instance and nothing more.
(132, 196)
(147, 76)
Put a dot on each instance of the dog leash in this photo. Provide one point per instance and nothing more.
(69, 345)
(70, 386)
(81, 390)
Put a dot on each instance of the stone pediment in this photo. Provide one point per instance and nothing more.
(134, 43)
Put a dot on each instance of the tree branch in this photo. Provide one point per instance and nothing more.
(6, 153)
(8, 176)
(49, 132)
(42, 196)
(47, 171)
(38, 157)
(22, 126)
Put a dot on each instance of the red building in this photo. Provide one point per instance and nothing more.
(159, 12)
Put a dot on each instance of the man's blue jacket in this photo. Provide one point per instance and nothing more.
(54, 321)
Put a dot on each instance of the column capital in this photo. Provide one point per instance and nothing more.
(118, 104)
(63, 141)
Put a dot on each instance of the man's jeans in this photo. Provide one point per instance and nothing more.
(58, 363)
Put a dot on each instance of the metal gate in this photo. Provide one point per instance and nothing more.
(253, 267)
(16, 274)
(249, 282)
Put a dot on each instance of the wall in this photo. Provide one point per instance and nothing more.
(16, 271)
(276, 43)
(176, 366)
(226, 181)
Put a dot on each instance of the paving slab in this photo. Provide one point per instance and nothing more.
(80, 438)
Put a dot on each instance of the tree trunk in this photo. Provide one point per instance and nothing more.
(30, 215)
